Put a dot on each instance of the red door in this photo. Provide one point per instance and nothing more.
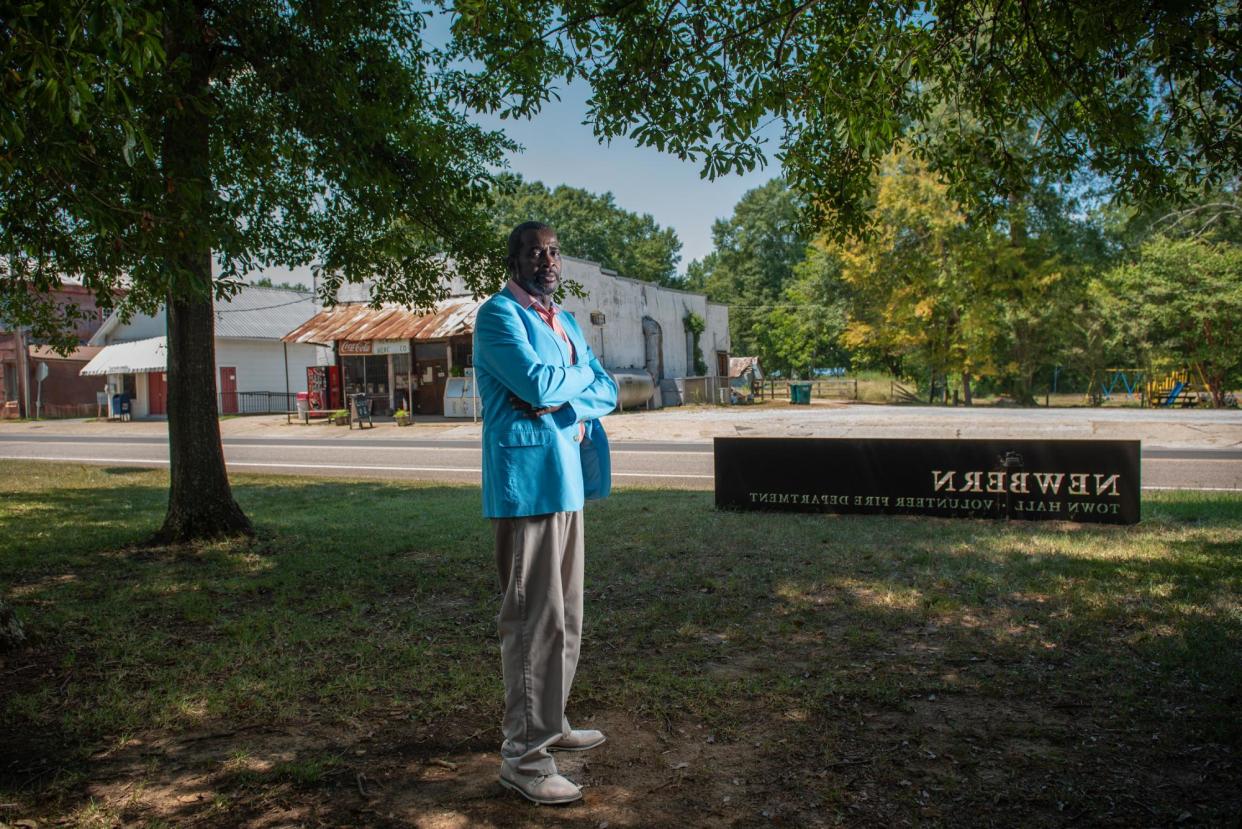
(228, 390)
(157, 390)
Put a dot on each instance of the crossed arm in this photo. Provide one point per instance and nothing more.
(583, 391)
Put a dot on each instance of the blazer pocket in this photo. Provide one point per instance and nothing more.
(525, 437)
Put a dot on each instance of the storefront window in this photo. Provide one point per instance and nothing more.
(377, 375)
(354, 371)
(401, 381)
(366, 375)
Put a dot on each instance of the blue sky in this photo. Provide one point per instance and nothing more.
(560, 149)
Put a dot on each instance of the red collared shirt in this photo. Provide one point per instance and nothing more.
(547, 313)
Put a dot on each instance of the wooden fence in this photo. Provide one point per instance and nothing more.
(839, 388)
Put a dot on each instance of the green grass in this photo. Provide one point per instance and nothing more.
(878, 387)
(371, 602)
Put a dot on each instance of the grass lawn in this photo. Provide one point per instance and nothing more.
(342, 669)
(877, 387)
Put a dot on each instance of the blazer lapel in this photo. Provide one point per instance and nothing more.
(575, 337)
(538, 323)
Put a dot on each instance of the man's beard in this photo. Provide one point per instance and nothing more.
(534, 286)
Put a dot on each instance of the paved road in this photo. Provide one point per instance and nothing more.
(635, 463)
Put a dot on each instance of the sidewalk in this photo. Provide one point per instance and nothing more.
(1202, 429)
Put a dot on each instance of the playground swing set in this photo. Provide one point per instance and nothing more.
(1181, 388)
(1103, 385)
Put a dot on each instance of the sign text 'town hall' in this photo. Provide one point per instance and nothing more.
(1068, 480)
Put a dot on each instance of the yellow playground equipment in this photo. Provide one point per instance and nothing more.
(1183, 387)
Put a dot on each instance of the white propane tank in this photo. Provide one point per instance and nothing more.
(634, 386)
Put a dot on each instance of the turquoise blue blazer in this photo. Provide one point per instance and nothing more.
(535, 466)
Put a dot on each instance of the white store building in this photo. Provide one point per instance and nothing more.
(254, 368)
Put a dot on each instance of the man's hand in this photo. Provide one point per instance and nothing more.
(529, 410)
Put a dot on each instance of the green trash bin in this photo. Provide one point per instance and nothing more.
(800, 393)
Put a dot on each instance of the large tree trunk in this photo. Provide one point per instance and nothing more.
(967, 393)
(200, 502)
(11, 633)
(1024, 356)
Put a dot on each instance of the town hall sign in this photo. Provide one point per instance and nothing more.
(1094, 481)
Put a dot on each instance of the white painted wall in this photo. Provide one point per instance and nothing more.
(140, 406)
(139, 327)
(716, 336)
(624, 302)
(260, 364)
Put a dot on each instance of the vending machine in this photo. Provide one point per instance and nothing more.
(461, 398)
(324, 385)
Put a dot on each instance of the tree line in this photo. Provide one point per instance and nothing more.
(1062, 282)
(966, 302)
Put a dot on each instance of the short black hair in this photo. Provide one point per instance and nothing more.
(515, 235)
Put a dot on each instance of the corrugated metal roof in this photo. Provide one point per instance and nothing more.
(129, 358)
(452, 317)
(737, 365)
(263, 313)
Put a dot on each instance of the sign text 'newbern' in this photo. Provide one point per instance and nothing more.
(1091, 481)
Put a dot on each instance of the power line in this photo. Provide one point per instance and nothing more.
(298, 301)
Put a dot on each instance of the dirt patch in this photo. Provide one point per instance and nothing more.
(938, 760)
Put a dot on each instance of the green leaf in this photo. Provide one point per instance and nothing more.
(127, 149)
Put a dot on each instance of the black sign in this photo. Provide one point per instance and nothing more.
(362, 410)
(1063, 480)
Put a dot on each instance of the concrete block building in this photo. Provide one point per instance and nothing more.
(638, 330)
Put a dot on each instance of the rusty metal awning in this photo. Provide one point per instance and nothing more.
(452, 317)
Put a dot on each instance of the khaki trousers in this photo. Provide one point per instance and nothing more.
(539, 559)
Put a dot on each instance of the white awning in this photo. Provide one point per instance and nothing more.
(138, 357)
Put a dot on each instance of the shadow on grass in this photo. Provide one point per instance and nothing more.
(805, 643)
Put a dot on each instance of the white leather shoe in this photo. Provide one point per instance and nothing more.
(540, 788)
(579, 740)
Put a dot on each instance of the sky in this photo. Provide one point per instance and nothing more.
(557, 148)
(560, 149)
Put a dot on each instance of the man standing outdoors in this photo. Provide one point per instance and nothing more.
(544, 452)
